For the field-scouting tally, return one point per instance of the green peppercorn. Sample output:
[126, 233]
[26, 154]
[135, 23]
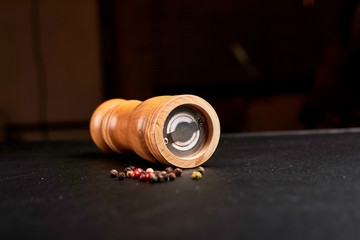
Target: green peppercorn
[121, 175]
[172, 176]
[169, 169]
[113, 173]
[196, 175]
[177, 171]
[200, 170]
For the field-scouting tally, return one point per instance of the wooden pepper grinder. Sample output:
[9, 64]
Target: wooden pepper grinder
[181, 130]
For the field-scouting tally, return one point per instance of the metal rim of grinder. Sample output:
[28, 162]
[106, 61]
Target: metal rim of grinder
[184, 131]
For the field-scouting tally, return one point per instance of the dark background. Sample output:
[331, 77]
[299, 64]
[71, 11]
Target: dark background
[263, 65]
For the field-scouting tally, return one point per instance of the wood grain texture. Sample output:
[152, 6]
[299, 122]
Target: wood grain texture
[96, 123]
[139, 119]
[122, 126]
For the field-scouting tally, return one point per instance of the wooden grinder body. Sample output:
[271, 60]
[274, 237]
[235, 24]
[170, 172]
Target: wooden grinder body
[119, 125]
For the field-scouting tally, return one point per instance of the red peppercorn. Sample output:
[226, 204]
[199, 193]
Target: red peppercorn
[142, 177]
[137, 172]
[148, 175]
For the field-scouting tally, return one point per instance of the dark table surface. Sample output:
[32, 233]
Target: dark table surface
[287, 185]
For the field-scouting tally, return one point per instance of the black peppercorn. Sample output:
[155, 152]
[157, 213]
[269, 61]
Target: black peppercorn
[157, 172]
[169, 169]
[172, 176]
[153, 178]
[161, 178]
[178, 171]
[165, 175]
[113, 173]
[121, 175]
[130, 168]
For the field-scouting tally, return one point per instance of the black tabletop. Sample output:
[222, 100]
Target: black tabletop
[289, 185]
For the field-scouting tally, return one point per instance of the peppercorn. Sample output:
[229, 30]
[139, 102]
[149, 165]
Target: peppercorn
[130, 168]
[137, 172]
[149, 170]
[129, 173]
[196, 175]
[153, 178]
[142, 176]
[161, 178]
[172, 176]
[157, 172]
[178, 171]
[113, 173]
[169, 169]
[165, 175]
[121, 175]
[148, 175]
[200, 170]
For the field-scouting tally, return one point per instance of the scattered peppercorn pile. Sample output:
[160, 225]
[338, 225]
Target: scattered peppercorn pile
[152, 176]
[149, 175]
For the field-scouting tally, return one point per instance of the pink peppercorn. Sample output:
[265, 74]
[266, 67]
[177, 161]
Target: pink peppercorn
[148, 175]
[137, 172]
[142, 177]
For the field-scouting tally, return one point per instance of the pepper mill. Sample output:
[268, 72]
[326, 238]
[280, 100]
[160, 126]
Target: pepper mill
[180, 130]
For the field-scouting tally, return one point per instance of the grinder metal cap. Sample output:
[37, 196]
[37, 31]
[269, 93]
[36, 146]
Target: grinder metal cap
[184, 131]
